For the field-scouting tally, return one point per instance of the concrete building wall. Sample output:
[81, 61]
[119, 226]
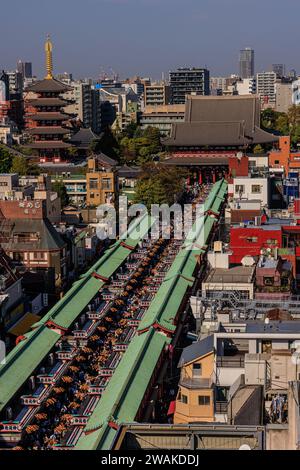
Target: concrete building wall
[252, 188]
[284, 97]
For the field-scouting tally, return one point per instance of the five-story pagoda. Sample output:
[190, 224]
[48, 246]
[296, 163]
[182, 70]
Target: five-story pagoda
[46, 120]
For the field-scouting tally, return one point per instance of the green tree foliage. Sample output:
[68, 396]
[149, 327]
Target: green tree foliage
[139, 146]
[258, 149]
[5, 160]
[59, 187]
[283, 123]
[159, 184]
[19, 165]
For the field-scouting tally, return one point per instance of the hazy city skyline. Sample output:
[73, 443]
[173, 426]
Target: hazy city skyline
[157, 35]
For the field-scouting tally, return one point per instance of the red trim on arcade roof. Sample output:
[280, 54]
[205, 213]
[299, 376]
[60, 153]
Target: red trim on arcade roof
[98, 276]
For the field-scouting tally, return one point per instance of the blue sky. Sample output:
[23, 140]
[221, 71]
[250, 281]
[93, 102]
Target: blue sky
[149, 37]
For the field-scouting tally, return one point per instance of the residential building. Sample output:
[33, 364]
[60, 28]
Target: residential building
[162, 117]
[284, 96]
[247, 86]
[266, 89]
[250, 188]
[101, 181]
[80, 97]
[296, 92]
[11, 293]
[157, 95]
[188, 81]
[246, 63]
[238, 373]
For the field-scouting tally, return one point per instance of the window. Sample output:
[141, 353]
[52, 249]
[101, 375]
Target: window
[197, 370]
[93, 183]
[255, 189]
[252, 239]
[239, 188]
[106, 183]
[184, 399]
[276, 162]
[203, 400]
[272, 241]
[268, 281]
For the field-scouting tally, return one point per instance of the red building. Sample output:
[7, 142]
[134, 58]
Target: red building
[250, 240]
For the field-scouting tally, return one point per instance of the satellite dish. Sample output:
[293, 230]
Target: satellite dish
[245, 447]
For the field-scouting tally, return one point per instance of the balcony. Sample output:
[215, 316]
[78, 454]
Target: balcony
[196, 383]
[231, 362]
[221, 407]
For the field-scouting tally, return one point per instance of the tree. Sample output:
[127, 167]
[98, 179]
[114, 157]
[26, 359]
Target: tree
[19, 165]
[5, 160]
[258, 149]
[159, 184]
[59, 187]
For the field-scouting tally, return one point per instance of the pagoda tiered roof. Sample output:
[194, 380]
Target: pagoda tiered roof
[48, 102]
[48, 130]
[49, 86]
[49, 116]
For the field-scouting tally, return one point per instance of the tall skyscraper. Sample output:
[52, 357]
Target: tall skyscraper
[279, 69]
[184, 81]
[246, 63]
[25, 68]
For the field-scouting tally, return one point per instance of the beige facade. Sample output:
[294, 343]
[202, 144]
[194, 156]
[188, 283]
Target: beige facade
[195, 399]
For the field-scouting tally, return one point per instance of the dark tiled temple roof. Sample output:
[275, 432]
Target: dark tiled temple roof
[195, 160]
[49, 85]
[220, 121]
[105, 160]
[49, 144]
[83, 138]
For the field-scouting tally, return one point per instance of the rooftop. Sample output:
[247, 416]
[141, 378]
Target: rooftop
[292, 326]
[49, 85]
[235, 274]
[197, 350]
[220, 121]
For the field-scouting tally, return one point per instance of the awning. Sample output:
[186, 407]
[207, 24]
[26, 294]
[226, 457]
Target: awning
[172, 408]
[24, 324]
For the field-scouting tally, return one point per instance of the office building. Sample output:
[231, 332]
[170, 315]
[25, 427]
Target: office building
[25, 69]
[246, 63]
[279, 69]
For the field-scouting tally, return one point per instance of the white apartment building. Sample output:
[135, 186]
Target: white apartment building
[251, 189]
[82, 102]
[296, 92]
[266, 89]
[247, 86]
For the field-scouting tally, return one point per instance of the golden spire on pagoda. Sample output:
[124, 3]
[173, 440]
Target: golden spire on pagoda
[49, 62]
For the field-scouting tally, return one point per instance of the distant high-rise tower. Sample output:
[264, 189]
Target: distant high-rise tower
[279, 69]
[25, 68]
[246, 63]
